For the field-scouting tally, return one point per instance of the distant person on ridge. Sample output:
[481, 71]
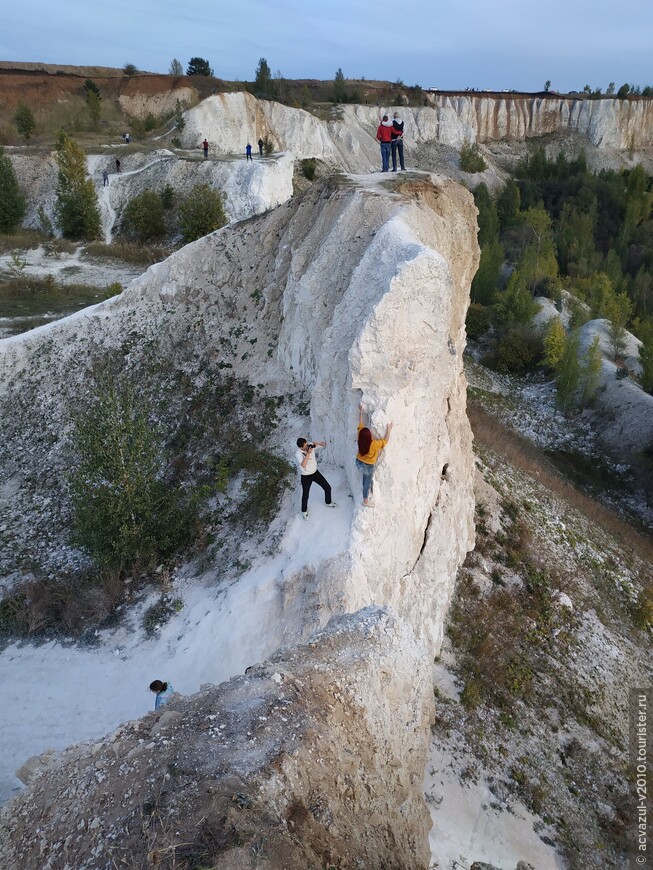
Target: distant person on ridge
[384, 135]
[369, 451]
[309, 474]
[163, 691]
[205, 146]
[397, 142]
[261, 143]
[248, 152]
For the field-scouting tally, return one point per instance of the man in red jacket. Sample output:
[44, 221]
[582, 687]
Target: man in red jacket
[384, 135]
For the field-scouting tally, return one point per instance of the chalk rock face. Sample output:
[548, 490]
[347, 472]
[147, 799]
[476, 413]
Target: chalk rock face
[355, 292]
[606, 123]
[247, 189]
[348, 139]
[313, 758]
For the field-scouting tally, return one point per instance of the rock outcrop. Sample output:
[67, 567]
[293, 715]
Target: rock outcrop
[355, 292]
[347, 140]
[312, 759]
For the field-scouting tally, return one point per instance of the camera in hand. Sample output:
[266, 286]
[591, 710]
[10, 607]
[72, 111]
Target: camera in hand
[310, 446]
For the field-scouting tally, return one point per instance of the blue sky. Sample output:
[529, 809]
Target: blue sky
[451, 44]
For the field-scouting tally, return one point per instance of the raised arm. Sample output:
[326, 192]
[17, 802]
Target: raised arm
[388, 430]
[360, 414]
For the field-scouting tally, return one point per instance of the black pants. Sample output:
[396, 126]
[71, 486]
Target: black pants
[307, 480]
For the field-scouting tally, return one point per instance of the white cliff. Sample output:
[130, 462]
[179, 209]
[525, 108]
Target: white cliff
[353, 293]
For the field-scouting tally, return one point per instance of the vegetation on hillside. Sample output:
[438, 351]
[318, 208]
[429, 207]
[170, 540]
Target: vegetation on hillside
[556, 226]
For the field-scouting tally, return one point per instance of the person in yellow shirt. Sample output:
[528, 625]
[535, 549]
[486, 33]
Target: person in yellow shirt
[369, 450]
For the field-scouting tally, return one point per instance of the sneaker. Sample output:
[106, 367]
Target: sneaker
[305, 515]
[332, 504]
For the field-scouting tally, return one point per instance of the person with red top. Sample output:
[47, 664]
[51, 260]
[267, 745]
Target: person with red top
[369, 451]
[205, 147]
[384, 135]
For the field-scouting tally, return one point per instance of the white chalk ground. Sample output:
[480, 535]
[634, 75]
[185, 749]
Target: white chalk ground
[55, 695]
[469, 826]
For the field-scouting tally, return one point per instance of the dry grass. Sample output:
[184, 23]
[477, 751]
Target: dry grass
[524, 455]
[128, 252]
[21, 240]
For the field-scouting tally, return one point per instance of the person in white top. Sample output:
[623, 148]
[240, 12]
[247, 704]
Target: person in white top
[309, 474]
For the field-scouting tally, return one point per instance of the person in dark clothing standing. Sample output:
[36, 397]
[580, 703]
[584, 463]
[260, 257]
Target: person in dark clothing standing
[397, 142]
[248, 152]
[117, 165]
[261, 143]
[384, 136]
[309, 474]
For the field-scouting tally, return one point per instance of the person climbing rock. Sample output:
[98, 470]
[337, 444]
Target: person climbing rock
[163, 692]
[309, 474]
[369, 451]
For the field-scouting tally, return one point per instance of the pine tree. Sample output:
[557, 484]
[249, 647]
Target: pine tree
[646, 358]
[569, 373]
[12, 202]
[590, 372]
[555, 344]
[77, 206]
[263, 77]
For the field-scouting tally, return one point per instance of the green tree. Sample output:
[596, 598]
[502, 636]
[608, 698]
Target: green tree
[515, 305]
[547, 85]
[305, 98]
[590, 372]
[618, 311]
[201, 212]
[486, 280]
[339, 92]
[646, 357]
[623, 91]
[488, 219]
[143, 217]
[129, 69]
[569, 373]
[197, 66]
[12, 202]
[508, 204]
[555, 343]
[126, 515]
[93, 101]
[175, 68]
[471, 159]
[76, 208]
[263, 79]
[24, 120]
[610, 89]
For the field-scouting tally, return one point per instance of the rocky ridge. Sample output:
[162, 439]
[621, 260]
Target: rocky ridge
[355, 292]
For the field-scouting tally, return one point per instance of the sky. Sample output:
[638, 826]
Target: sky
[453, 44]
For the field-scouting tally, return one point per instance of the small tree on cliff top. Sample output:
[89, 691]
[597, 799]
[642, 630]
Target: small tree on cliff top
[77, 207]
[12, 202]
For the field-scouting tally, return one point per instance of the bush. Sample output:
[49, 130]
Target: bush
[129, 69]
[24, 121]
[268, 146]
[12, 202]
[471, 160]
[143, 217]
[201, 212]
[309, 167]
[167, 195]
[478, 321]
[518, 350]
[126, 515]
